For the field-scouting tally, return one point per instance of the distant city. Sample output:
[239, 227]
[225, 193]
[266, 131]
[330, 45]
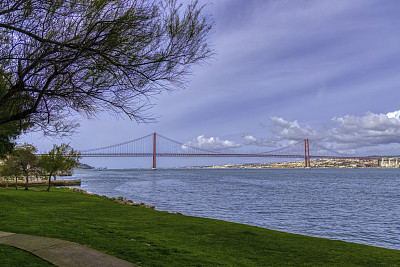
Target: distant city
[318, 163]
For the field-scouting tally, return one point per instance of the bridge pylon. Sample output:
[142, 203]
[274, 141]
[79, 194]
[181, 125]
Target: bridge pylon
[307, 154]
[154, 151]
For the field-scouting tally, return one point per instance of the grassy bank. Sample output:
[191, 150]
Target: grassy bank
[10, 256]
[153, 238]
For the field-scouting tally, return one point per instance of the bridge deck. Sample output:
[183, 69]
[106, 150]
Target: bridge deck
[221, 155]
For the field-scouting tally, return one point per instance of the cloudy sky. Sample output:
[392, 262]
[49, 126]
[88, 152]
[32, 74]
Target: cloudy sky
[284, 71]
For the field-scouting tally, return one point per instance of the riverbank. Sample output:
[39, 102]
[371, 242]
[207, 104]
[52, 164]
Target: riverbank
[36, 183]
[154, 238]
[353, 205]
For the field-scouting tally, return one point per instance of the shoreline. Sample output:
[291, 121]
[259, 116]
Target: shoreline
[206, 198]
[37, 183]
[120, 200]
[155, 238]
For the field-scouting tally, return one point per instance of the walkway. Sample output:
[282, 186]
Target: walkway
[61, 253]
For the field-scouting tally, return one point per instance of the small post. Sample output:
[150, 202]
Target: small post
[154, 151]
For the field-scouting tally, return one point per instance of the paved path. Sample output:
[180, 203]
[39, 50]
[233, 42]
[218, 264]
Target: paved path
[60, 252]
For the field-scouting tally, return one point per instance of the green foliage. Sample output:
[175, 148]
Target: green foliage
[11, 130]
[10, 169]
[8, 134]
[154, 238]
[6, 145]
[22, 162]
[20, 101]
[61, 159]
[24, 158]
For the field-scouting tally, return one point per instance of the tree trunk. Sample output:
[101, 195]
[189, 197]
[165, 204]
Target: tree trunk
[16, 182]
[26, 182]
[48, 188]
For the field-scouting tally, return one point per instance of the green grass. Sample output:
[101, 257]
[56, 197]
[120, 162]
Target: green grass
[154, 238]
[10, 256]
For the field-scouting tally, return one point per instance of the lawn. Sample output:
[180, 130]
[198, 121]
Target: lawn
[155, 238]
[15, 257]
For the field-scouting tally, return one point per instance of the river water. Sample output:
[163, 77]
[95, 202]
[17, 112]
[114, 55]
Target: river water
[355, 205]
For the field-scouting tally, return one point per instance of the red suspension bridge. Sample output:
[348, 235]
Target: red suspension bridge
[155, 145]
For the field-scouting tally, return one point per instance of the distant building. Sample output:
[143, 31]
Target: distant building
[388, 162]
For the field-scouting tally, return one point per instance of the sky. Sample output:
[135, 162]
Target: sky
[283, 71]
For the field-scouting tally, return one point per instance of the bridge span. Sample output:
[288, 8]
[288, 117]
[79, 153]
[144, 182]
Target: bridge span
[155, 145]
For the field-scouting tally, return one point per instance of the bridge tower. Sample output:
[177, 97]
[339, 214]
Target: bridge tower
[307, 154]
[154, 151]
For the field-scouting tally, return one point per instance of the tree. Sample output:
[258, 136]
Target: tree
[8, 134]
[59, 57]
[6, 144]
[22, 161]
[10, 169]
[11, 130]
[60, 159]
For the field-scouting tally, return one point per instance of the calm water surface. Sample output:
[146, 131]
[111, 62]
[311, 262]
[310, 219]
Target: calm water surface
[355, 205]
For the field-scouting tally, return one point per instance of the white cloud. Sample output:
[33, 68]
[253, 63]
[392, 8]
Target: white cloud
[347, 133]
[211, 143]
[262, 142]
[291, 130]
[368, 130]
[394, 114]
[249, 140]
